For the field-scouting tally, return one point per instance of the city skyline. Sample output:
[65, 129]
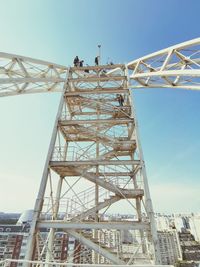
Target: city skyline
[168, 120]
[178, 236]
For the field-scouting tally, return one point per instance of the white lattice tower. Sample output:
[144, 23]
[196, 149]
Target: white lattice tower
[95, 162]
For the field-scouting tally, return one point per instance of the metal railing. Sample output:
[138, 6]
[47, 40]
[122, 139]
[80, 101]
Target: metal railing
[16, 263]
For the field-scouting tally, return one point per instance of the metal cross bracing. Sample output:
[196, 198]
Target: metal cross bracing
[95, 165]
[94, 162]
[175, 67]
[24, 75]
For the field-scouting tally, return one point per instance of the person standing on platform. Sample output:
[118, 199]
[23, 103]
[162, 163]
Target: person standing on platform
[96, 61]
[81, 63]
[76, 61]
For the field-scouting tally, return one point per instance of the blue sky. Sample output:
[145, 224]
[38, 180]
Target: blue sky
[56, 31]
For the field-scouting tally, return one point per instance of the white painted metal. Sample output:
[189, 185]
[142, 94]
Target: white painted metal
[149, 205]
[7, 262]
[24, 75]
[94, 140]
[175, 67]
[84, 150]
[94, 225]
[40, 197]
[96, 248]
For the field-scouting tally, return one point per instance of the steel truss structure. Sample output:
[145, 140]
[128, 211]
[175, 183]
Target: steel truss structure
[95, 165]
[175, 67]
[94, 162]
[24, 75]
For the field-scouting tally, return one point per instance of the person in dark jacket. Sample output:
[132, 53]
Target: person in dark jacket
[96, 61]
[76, 61]
[81, 63]
[120, 99]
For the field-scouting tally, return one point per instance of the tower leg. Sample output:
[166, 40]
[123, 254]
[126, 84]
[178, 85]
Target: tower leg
[40, 198]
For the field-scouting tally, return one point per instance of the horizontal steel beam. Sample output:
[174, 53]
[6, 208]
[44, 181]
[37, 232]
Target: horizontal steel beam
[93, 163]
[98, 68]
[108, 174]
[100, 121]
[97, 91]
[123, 113]
[103, 78]
[112, 174]
[93, 225]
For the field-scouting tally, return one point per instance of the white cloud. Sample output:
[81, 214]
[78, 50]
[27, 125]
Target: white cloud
[18, 193]
[175, 198]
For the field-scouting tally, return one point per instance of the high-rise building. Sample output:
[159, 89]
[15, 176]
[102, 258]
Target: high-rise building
[169, 246]
[189, 246]
[178, 240]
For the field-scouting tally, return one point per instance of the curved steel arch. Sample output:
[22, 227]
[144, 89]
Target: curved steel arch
[23, 75]
[175, 67]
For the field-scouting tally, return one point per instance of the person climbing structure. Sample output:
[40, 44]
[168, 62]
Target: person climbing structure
[120, 99]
